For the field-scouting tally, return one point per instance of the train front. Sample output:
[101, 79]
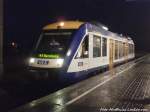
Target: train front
[48, 56]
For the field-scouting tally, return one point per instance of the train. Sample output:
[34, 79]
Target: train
[74, 49]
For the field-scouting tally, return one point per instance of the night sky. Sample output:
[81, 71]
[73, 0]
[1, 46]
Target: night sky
[23, 19]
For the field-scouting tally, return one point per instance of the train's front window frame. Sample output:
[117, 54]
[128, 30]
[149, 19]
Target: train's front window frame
[54, 42]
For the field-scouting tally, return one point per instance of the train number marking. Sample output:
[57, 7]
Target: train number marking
[80, 63]
[42, 62]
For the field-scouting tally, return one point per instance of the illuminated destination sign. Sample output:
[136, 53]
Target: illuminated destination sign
[52, 56]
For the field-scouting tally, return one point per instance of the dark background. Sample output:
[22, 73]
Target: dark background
[24, 19]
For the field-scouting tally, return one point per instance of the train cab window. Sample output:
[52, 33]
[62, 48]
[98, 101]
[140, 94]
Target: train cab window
[54, 42]
[83, 51]
[104, 47]
[96, 46]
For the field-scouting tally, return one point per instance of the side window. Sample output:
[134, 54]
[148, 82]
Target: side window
[120, 49]
[96, 46]
[104, 47]
[116, 49]
[83, 51]
[124, 49]
[130, 48]
[133, 49]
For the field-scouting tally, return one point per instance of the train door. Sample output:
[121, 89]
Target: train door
[111, 54]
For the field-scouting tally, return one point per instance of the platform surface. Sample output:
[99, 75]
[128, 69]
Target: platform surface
[126, 88]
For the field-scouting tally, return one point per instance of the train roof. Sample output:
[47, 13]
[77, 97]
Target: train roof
[64, 25]
[92, 26]
[98, 28]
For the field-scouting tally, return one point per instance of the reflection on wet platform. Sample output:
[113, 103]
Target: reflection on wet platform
[128, 89]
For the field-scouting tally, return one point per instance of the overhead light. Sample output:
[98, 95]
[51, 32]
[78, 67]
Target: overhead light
[121, 35]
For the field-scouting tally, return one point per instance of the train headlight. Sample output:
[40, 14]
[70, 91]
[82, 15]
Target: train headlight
[60, 62]
[32, 60]
[61, 24]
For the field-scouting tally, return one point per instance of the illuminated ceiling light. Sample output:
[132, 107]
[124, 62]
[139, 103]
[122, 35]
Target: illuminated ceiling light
[105, 28]
[98, 40]
[33, 103]
[59, 101]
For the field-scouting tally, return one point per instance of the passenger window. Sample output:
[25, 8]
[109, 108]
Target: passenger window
[83, 51]
[133, 49]
[124, 49]
[96, 46]
[116, 50]
[104, 47]
[120, 49]
[130, 48]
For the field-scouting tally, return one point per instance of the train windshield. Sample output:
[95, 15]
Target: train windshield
[54, 44]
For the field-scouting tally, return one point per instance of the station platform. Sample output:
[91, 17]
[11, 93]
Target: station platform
[124, 88]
